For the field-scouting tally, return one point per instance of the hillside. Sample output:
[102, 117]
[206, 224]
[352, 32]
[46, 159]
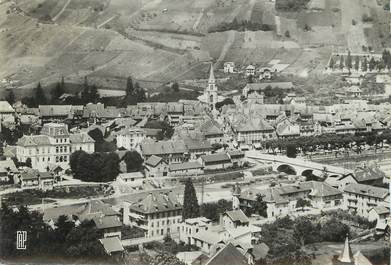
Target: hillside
[158, 41]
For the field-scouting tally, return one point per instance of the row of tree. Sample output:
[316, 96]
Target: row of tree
[240, 26]
[354, 62]
[66, 240]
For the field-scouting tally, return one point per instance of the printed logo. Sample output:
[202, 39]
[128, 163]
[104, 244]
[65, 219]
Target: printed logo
[21, 238]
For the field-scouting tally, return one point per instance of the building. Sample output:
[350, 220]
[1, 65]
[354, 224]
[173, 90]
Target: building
[250, 70]
[380, 214]
[237, 158]
[33, 179]
[130, 138]
[7, 171]
[281, 201]
[229, 67]
[234, 219]
[7, 113]
[108, 226]
[53, 146]
[191, 226]
[158, 213]
[253, 130]
[112, 246]
[229, 254]
[198, 147]
[170, 151]
[193, 168]
[265, 73]
[360, 198]
[210, 96]
[215, 161]
[155, 166]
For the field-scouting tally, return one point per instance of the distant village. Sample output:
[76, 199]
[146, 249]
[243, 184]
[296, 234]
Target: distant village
[219, 176]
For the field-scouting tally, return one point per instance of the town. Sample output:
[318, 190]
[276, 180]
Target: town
[212, 177]
[205, 132]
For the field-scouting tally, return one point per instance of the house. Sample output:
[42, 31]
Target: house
[369, 175]
[7, 113]
[33, 179]
[353, 92]
[112, 246]
[53, 145]
[281, 201]
[265, 73]
[215, 161]
[229, 67]
[360, 198]
[156, 166]
[287, 129]
[234, 219]
[57, 113]
[170, 151]
[7, 171]
[193, 168]
[237, 158]
[229, 254]
[108, 226]
[212, 132]
[130, 138]
[135, 179]
[250, 70]
[158, 213]
[340, 182]
[191, 226]
[197, 147]
[253, 130]
[380, 214]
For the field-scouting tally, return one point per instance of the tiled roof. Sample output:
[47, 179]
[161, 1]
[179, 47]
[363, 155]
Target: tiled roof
[367, 190]
[163, 148]
[155, 202]
[153, 160]
[7, 165]
[368, 173]
[228, 255]
[103, 222]
[184, 166]
[81, 138]
[31, 140]
[253, 124]
[29, 174]
[217, 157]
[237, 216]
[197, 144]
[5, 107]
[55, 110]
[381, 210]
[111, 244]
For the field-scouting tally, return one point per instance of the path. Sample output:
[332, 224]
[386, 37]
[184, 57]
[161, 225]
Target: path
[226, 47]
[197, 22]
[107, 21]
[61, 11]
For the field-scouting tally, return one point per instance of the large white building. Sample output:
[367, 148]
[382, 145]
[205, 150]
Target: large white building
[130, 138]
[360, 198]
[53, 146]
[157, 213]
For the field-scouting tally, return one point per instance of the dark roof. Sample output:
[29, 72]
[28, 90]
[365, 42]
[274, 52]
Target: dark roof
[228, 255]
[153, 161]
[29, 174]
[163, 148]
[260, 251]
[368, 173]
[235, 153]
[237, 216]
[215, 157]
[197, 144]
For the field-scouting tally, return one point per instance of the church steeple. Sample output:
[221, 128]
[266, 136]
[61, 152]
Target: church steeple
[212, 79]
[346, 256]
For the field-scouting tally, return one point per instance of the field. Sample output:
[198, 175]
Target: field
[159, 41]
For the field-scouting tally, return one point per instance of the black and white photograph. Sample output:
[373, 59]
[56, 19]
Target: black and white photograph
[195, 132]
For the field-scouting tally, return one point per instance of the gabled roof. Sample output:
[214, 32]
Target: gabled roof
[217, 157]
[367, 190]
[237, 216]
[185, 166]
[253, 124]
[380, 210]
[5, 107]
[153, 161]
[32, 140]
[163, 148]
[228, 255]
[111, 244]
[31, 174]
[104, 222]
[368, 173]
[81, 138]
[7, 166]
[155, 202]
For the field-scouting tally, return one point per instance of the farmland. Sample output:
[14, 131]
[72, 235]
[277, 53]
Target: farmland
[159, 41]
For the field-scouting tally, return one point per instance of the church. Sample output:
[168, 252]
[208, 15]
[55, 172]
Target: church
[210, 96]
[347, 258]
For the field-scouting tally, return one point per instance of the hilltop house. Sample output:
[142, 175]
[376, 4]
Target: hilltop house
[229, 67]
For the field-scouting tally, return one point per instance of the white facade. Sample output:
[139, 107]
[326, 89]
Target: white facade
[130, 138]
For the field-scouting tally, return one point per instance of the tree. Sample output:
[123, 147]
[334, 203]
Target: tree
[291, 150]
[287, 34]
[175, 87]
[85, 93]
[260, 206]
[356, 63]
[139, 93]
[58, 90]
[28, 162]
[364, 65]
[213, 210]
[191, 209]
[10, 97]
[133, 161]
[331, 63]
[341, 62]
[301, 203]
[305, 231]
[94, 95]
[349, 61]
[129, 86]
[334, 231]
[372, 64]
[40, 97]
[226, 101]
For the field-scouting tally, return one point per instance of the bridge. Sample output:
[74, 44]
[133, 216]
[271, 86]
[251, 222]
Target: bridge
[296, 166]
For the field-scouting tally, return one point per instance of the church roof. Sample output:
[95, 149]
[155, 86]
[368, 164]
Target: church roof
[211, 75]
[346, 256]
